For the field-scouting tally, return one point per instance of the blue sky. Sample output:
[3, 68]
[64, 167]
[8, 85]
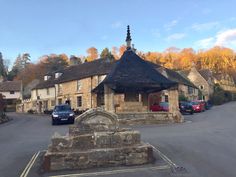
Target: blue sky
[42, 27]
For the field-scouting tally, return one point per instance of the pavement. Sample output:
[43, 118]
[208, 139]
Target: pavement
[204, 145]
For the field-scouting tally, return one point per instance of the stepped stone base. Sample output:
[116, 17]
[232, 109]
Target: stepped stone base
[103, 157]
[96, 141]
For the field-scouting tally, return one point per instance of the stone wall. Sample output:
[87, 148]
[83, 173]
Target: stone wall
[139, 118]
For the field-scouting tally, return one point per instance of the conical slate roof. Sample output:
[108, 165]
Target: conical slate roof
[132, 74]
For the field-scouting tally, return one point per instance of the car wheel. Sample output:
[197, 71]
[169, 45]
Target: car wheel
[72, 121]
[54, 122]
[191, 112]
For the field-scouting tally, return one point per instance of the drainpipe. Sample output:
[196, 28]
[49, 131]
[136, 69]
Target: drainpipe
[55, 94]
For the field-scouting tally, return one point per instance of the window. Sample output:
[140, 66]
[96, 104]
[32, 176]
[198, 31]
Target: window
[52, 102]
[166, 98]
[190, 90]
[48, 91]
[201, 87]
[79, 101]
[12, 92]
[79, 85]
[59, 89]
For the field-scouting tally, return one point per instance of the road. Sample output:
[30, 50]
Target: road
[205, 145]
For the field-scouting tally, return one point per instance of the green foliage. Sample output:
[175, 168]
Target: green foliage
[3, 71]
[220, 96]
[107, 54]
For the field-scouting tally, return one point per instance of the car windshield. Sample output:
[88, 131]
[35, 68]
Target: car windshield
[195, 103]
[62, 108]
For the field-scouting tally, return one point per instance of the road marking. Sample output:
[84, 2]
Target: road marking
[164, 157]
[29, 165]
[163, 167]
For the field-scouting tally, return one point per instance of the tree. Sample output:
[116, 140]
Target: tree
[53, 63]
[92, 54]
[107, 54]
[25, 59]
[122, 49]
[74, 60]
[3, 72]
[114, 52]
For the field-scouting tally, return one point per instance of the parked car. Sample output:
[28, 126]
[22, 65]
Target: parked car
[155, 107]
[186, 107]
[162, 106]
[63, 114]
[203, 104]
[208, 105]
[197, 106]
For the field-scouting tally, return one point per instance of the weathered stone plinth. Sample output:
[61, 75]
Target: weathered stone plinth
[96, 141]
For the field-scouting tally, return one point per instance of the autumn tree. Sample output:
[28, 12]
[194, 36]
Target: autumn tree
[92, 54]
[53, 62]
[122, 50]
[187, 57]
[114, 52]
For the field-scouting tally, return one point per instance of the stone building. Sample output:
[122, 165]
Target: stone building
[185, 87]
[131, 82]
[11, 91]
[225, 81]
[72, 85]
[202, 79]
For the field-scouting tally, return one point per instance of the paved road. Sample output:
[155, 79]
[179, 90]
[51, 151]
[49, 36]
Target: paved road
[205, 144]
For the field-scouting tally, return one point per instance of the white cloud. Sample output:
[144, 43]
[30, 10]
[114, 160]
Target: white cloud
[205, 26]
[175, 36]
[117, 24]
[205, 43]
[226, 38]
[171, 24]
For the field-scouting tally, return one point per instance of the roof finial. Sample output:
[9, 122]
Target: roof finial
[128, 39]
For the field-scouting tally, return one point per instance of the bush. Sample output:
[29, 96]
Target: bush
[31, 111]
[220, 96]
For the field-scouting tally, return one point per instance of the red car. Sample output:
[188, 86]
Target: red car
[198, 106]
[155, 108]
[162, 106]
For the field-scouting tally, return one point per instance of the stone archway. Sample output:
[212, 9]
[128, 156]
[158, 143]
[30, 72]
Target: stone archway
[97, 119]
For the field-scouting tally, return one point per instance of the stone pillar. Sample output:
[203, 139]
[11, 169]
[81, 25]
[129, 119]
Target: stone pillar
[109, 99]
[145, 100]
[94, 100]
[174, 105]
